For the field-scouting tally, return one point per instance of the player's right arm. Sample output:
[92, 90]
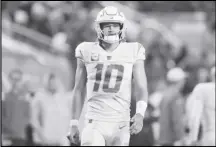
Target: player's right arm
[77, 96]
[79, 89]
[80, 82]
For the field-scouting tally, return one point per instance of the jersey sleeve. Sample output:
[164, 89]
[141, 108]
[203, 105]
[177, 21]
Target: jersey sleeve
[79, 51]
[140, 55]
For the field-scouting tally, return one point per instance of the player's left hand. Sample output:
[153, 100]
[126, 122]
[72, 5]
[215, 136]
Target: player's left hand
[137, 124]
[73, 134]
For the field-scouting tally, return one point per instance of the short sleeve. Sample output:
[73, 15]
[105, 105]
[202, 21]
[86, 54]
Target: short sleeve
[140, 52]
[79, 51]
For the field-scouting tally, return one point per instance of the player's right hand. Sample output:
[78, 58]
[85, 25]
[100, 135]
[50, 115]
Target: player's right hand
[73, 134]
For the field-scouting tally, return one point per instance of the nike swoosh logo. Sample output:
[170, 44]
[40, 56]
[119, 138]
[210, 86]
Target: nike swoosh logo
[120, 127]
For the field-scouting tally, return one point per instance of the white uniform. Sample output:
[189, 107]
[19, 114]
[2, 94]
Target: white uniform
[201, 109]
[109, 77]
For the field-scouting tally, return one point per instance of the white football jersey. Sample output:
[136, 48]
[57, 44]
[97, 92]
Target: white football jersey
[109, 77]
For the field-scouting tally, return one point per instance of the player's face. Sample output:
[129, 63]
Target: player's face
[111, 28]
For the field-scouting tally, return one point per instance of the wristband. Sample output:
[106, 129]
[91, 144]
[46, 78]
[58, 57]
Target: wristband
[141, 107]
[74, 122]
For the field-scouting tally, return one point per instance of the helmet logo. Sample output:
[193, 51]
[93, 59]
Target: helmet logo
[108, 15]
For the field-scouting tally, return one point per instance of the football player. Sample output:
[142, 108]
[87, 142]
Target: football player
[107, 68]
[201, 109]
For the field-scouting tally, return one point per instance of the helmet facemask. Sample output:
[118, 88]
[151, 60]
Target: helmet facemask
[110, 15]
[110, 38]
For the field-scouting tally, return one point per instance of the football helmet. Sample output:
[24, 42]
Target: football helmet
[106, 15]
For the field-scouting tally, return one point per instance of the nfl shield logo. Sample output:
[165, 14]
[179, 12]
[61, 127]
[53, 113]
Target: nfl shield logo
[94, 57]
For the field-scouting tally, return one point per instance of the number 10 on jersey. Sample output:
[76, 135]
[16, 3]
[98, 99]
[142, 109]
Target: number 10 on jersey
[108, 74]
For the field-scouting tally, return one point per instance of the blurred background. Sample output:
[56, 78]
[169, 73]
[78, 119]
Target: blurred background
[38, 46]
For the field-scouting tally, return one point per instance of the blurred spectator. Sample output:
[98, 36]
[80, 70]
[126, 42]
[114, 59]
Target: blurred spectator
[39, 11]
[56, 20]
[59, 42]
[172, 113]
[202, 75]
[156, 62]
[40, 21]
[15, 77]
[201, 110]
[15, 115]
[21, 17]
[26, 7]
[51, 113]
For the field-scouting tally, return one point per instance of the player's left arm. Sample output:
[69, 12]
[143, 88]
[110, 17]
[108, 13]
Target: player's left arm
[140, 86]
